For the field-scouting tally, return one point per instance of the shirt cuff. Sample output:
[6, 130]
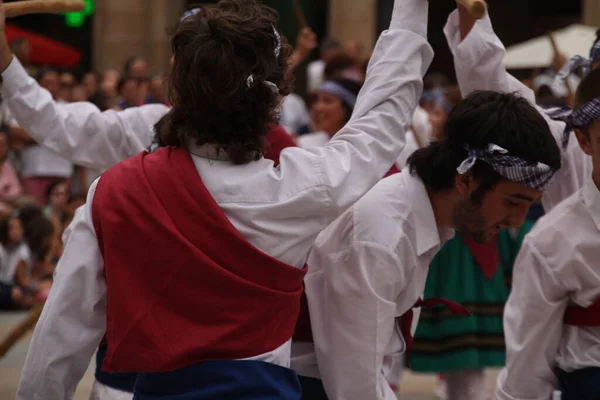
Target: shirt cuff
[478, 42]
[410, 15]
[14, 78]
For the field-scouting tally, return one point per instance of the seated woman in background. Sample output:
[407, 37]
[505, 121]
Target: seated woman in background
[57, 198]
[44, 247]
[16, 262]
[10, 186]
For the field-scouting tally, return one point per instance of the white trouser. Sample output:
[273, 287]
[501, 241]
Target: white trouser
[103, 392]
[467, 384]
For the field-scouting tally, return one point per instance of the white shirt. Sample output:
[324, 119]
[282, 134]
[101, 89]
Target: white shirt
[558, 265]
[279, 210]
[422, 130]
[367, 268]
[78, 132]
[315, 72]
[294, 114]
[11, 259]
[479, 66]
[313, 139]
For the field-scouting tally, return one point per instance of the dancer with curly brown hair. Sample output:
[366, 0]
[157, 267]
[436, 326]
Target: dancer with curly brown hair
[191, 259]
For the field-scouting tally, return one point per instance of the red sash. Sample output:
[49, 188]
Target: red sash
[183, 284]
[582, 317]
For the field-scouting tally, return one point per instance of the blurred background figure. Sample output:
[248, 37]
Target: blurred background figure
[316, 69]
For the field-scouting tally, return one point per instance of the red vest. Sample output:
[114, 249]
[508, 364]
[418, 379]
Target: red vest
[183, 284]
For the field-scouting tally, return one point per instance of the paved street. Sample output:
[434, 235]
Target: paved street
[415, 387]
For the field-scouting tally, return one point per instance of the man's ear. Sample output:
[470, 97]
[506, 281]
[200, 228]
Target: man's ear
[584, 141]
[464, 184]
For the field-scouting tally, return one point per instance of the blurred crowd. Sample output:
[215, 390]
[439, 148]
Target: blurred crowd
[39, 190]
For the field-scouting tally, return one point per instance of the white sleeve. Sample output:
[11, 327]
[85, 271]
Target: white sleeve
[78, 132]
[73, 320]
[533, 325]
[362, 152]
[478, 60]
[351, 298]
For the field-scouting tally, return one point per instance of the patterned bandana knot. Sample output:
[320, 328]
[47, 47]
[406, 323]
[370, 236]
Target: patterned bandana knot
[533, 175]
[583, 116]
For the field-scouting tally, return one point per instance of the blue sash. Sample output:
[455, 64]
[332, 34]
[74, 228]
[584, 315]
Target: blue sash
[226, 379]
[312, 389]
[582, 384]
[123, 381]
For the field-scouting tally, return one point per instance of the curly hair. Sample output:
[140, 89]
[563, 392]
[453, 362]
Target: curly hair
[215, 51]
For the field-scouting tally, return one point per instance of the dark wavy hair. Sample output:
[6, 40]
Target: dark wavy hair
[215, 51]
[485, 117]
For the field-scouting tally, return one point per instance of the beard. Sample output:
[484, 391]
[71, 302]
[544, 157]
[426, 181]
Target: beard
[469, 220]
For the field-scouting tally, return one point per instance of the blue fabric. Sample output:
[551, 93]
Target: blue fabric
[210, 380]
[312, 389]
[583, 384]
[121, 380]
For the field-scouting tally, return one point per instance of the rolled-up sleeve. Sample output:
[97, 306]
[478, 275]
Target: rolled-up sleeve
[78, 132]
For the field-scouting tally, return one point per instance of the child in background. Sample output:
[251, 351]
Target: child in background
[17, 261]
[41, 236]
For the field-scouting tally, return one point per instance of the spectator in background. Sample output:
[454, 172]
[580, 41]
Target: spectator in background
[355, 50]
[79, 93]
[128, 92]
[157, 93]
[342, 65]
[40, 166]
[10, 187]
[330, 108]
[57, 197]
[136, 67]
[17, 262]
[42, 235]
[21, 48]
[91, 81]
[316, 68]
[65, 87]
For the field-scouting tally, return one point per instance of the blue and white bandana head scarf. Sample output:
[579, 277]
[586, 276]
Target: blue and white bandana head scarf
[346, 96]
[250, 79]
[532, 175]
[580, 61]
[583, 116]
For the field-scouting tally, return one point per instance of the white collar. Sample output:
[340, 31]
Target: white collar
[428, 235]
[208, 151]
[591, 199]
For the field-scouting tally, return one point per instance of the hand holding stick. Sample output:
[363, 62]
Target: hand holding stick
[559, 61]
[42, 7]
[477, 8]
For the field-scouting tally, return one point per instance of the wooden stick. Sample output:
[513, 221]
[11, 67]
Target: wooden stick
[477, 8]
[299, 14]
[42, 7]
[20, 330]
